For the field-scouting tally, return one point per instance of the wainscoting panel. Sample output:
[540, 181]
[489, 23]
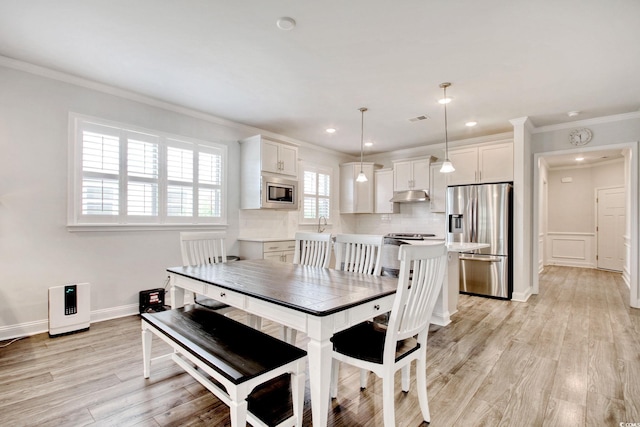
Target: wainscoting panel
[571, 249]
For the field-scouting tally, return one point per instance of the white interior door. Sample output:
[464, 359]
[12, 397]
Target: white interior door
[611, 228]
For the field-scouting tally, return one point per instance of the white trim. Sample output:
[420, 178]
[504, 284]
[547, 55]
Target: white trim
[145, 227]
[42, 326]
[588, 122]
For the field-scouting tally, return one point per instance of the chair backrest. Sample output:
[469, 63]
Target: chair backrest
[359, 253]
[313, 249]
[202, 247]
[422, 271]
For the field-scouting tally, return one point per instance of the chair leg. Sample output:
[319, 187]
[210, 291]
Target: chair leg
[297, 393]
[364, 375]
[147, 335]
[406, 378]
[254, 321]
[335, 373]
[421, 384]
[388, 401]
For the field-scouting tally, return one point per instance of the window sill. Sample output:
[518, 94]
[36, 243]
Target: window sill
[75, 228]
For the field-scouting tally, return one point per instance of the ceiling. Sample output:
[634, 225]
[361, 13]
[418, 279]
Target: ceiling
[505, 60]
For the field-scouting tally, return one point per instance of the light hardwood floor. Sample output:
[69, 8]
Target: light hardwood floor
[570, 356]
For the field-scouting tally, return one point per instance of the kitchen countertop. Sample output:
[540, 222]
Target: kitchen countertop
[451, 247]
[265, 239]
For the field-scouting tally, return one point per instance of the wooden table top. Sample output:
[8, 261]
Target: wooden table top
[312, 290]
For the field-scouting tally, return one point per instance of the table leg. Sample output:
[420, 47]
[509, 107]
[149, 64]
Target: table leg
[177, 295]
[319, 353]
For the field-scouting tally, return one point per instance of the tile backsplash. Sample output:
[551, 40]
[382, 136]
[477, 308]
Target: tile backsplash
[413, 218]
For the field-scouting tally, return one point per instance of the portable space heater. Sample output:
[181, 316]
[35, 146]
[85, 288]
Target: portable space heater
[69, 309]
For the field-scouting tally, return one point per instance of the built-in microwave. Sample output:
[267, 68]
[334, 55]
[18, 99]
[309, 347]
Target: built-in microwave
[279, 193]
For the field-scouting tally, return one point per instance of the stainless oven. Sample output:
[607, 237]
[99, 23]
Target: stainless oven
[279, 193]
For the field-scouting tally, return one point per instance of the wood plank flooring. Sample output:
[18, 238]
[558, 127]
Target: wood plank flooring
[570, 356]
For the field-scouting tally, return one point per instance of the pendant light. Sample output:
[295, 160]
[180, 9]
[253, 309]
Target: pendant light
[447, 166]
[361, 176]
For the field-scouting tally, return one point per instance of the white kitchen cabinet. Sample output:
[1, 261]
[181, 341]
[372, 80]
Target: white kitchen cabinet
[482, 164]
[270, 156]
[437, 188]
[411, 174]
[356, 197]
[384, 192]
[275, 250]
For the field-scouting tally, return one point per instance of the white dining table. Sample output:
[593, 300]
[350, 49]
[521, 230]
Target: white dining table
[316, 301]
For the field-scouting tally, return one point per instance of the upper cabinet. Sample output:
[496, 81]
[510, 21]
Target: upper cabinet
[482, 164]
[411, 174]
[356, 197]
[384, 192]
[437, 189]
[271, 156]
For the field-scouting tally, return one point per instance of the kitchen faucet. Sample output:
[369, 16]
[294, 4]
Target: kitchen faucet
[321, 226]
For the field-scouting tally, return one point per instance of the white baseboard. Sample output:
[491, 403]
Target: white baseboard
[521, 296]
[42, 326]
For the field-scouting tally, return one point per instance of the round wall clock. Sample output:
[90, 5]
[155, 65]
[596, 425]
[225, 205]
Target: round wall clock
[580, 136]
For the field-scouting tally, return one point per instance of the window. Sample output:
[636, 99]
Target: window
[316, 193]
[127, 176]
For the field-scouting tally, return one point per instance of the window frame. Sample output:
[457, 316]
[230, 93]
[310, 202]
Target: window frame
[327, 170]
[77, 221]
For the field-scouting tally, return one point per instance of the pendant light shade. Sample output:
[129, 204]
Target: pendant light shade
[447, 166]
[361, 176]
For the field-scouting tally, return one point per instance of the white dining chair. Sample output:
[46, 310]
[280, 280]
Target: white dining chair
[359, 253]
[386, 350]
[313, 249]
[201, 248]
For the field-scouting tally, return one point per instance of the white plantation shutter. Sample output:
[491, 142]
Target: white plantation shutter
[143, 174]
[316, 201]
[131, 176]
[100, 171]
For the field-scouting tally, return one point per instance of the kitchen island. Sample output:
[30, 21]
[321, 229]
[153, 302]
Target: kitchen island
[447, 303]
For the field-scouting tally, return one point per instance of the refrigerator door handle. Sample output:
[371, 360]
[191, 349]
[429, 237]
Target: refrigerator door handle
[484, 259]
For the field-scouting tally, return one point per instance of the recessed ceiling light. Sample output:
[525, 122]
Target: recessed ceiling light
[331, 130]
[573, 113]
[471, 124]
[368, 144]
[285, 23]
[579, 159]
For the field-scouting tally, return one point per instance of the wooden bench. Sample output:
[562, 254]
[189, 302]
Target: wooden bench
[238, 364]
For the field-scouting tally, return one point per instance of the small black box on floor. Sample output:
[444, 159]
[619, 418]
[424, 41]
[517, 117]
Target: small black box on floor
[152, 300]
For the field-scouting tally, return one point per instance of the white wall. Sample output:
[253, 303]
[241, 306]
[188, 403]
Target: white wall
[36, 249]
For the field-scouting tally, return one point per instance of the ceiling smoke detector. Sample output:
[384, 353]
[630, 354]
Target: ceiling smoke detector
[285, 23]
[419, 118]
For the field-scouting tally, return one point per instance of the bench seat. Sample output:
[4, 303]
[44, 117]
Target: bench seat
[236, 358]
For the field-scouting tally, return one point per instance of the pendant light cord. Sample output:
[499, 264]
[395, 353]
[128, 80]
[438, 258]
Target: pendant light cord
[362, 110]
[446, 134]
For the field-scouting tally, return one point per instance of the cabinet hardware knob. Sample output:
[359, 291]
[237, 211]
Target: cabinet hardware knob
[222, 295]
[376, 307]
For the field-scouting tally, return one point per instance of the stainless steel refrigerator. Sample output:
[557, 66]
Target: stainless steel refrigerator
[483, 213]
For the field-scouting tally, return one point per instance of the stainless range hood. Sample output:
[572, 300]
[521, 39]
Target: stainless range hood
[410, 196]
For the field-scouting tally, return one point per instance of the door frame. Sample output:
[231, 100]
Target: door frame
[631, 184]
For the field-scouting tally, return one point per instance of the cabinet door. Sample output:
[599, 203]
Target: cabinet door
[270, 159]
[465, 160]
[402, 176]
[288, 257]
[384, 192]
[364, 190]
[495, 163]
[273, 256]
[420, 169]
[288, 157]
[438, 189]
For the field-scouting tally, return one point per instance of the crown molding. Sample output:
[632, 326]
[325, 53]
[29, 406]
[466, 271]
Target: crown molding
[588, 122]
